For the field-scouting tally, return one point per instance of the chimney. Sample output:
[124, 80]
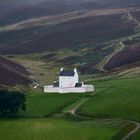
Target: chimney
[75, 70]
[61, 69]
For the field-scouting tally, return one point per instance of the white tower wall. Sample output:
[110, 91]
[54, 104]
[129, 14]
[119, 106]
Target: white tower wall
[69, 81]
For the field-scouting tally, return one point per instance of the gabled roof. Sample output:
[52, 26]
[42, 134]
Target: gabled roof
[67, 73]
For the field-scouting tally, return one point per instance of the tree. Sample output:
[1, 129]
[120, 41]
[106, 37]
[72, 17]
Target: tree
[11, 102]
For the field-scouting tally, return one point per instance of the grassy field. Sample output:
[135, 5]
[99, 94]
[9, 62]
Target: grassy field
[119, 100]
[43, 105]
[36, 125]
[51, 129]
[115, 100]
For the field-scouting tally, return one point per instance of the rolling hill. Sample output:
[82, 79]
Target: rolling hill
[12, 74]
[94, 36]
[86, 31]
[18, 10]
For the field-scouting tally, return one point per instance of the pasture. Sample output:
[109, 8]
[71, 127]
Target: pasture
[115, 101]
[120, 99]
[52, 129]
[43, 105]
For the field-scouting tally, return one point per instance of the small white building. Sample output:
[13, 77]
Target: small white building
[68, 83]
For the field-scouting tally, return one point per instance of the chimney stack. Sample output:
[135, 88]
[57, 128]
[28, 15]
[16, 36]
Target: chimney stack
[61, 69]
[75, 70]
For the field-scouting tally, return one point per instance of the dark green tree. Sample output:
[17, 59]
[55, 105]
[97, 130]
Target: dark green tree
[11, 102]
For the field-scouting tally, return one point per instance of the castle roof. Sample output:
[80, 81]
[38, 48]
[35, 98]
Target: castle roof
[67, 73]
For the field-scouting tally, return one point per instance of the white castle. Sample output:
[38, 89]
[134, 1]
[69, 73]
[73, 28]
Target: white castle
[68, 83]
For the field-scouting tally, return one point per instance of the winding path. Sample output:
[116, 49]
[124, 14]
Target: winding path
[74, 108]
[121, 46]
[137, 124]
[84, 100]
[133, 131]
[131, 18]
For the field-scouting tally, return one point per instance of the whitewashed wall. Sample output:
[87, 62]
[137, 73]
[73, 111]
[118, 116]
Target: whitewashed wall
[68, 81]
[85, 88]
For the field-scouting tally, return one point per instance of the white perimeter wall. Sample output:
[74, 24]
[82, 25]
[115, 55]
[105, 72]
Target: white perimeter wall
[85, 88]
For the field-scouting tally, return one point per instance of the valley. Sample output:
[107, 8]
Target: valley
[101, 48]
[101, 38]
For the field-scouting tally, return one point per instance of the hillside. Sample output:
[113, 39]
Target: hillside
[94, 36]
[18, 10]
[12, 74]
[86, 32]
[88, 40]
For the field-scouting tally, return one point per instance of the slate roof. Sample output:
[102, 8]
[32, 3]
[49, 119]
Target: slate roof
[67, 73]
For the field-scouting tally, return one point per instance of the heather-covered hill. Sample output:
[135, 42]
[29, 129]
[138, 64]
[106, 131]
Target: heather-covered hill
[88, 34]
[128, 56]
[83, 40]
[12, 74]
[76, 33]
[17, 10]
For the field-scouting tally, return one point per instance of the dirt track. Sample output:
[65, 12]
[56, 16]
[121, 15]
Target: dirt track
[129, 53]
[84, 100]
[133, 131]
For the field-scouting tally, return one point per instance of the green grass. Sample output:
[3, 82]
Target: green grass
[37, 126]
[119, 100]
[51, 129]
[42, 105]
[116, 98]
